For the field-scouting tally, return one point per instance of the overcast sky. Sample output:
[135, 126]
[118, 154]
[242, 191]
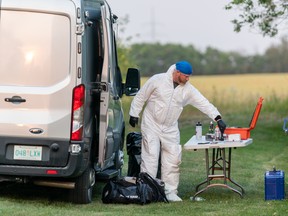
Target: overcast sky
[201, 23]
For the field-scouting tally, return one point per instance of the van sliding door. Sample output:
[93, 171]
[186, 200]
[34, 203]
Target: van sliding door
[105, 112]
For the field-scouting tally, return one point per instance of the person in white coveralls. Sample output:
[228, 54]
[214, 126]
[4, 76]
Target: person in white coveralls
[164, 96]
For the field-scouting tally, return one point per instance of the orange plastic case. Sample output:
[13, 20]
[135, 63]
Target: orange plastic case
[245, 132]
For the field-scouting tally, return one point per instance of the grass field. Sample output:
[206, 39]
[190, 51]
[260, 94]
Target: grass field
[242, 87]
[236, 97]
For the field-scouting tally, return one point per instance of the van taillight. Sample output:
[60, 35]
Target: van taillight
[51, 172]
[77, 112]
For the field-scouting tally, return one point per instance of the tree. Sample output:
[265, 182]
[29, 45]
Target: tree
[275, 58]
[152, 58]
[123, 50]
[263, 15]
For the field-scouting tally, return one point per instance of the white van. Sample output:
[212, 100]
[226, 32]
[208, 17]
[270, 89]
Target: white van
[61, 119]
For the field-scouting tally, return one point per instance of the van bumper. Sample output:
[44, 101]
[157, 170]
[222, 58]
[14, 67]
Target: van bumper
[75, 166]
[60, 158]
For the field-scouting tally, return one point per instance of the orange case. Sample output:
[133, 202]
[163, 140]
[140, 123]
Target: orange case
[245, 132]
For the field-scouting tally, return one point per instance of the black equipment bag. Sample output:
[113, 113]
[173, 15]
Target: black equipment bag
[157, 186]
[145, 189]
[133, 144]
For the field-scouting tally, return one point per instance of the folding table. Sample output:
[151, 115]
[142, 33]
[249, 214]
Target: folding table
[219, 162]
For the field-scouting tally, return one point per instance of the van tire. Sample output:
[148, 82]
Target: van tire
[83, 191]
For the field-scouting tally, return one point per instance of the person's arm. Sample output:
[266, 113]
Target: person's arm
[196, 99]
[139, 100]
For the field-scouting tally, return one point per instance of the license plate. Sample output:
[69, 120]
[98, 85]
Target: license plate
[33, 153]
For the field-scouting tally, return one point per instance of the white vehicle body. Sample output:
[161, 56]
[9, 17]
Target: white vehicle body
[61, 120]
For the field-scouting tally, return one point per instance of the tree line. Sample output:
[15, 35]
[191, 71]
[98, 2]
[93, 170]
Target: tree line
[152, 58]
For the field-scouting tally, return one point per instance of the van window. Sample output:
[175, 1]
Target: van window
[35, 48]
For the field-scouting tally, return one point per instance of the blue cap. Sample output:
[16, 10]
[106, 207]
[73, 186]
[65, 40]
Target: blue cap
[184, 67]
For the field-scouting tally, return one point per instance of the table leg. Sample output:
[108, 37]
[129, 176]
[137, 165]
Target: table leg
[225, 168]
[213, 161]
[207, 180]
[229, 172]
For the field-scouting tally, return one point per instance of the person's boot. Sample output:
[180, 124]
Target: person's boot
[172, 197]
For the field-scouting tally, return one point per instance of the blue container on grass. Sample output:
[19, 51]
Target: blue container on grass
[274, 185]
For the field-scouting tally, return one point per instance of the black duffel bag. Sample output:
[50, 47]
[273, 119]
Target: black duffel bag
[141, 190]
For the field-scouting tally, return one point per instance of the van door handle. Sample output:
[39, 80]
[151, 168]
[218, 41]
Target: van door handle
[15, 99]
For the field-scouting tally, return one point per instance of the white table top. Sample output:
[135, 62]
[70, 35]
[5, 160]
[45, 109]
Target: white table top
[194, 144]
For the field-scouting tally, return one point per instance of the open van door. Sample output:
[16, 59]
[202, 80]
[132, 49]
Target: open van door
[105, 100]
[111, 119]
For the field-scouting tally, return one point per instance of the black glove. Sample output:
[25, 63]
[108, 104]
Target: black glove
[222, 126]
[133, 121]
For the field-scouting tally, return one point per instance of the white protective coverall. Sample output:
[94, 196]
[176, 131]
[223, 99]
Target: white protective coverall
[159, 124]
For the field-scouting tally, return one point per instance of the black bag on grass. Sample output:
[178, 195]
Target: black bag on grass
[157, 186]
[141, 190]
[121, 191]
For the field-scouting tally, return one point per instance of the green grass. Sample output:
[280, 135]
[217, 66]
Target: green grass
[269, 148]
[249, 165]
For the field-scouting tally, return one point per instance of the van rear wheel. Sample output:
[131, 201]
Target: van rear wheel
[83, 191]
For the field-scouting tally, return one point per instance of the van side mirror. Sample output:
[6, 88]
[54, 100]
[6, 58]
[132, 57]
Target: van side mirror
[132, 85]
